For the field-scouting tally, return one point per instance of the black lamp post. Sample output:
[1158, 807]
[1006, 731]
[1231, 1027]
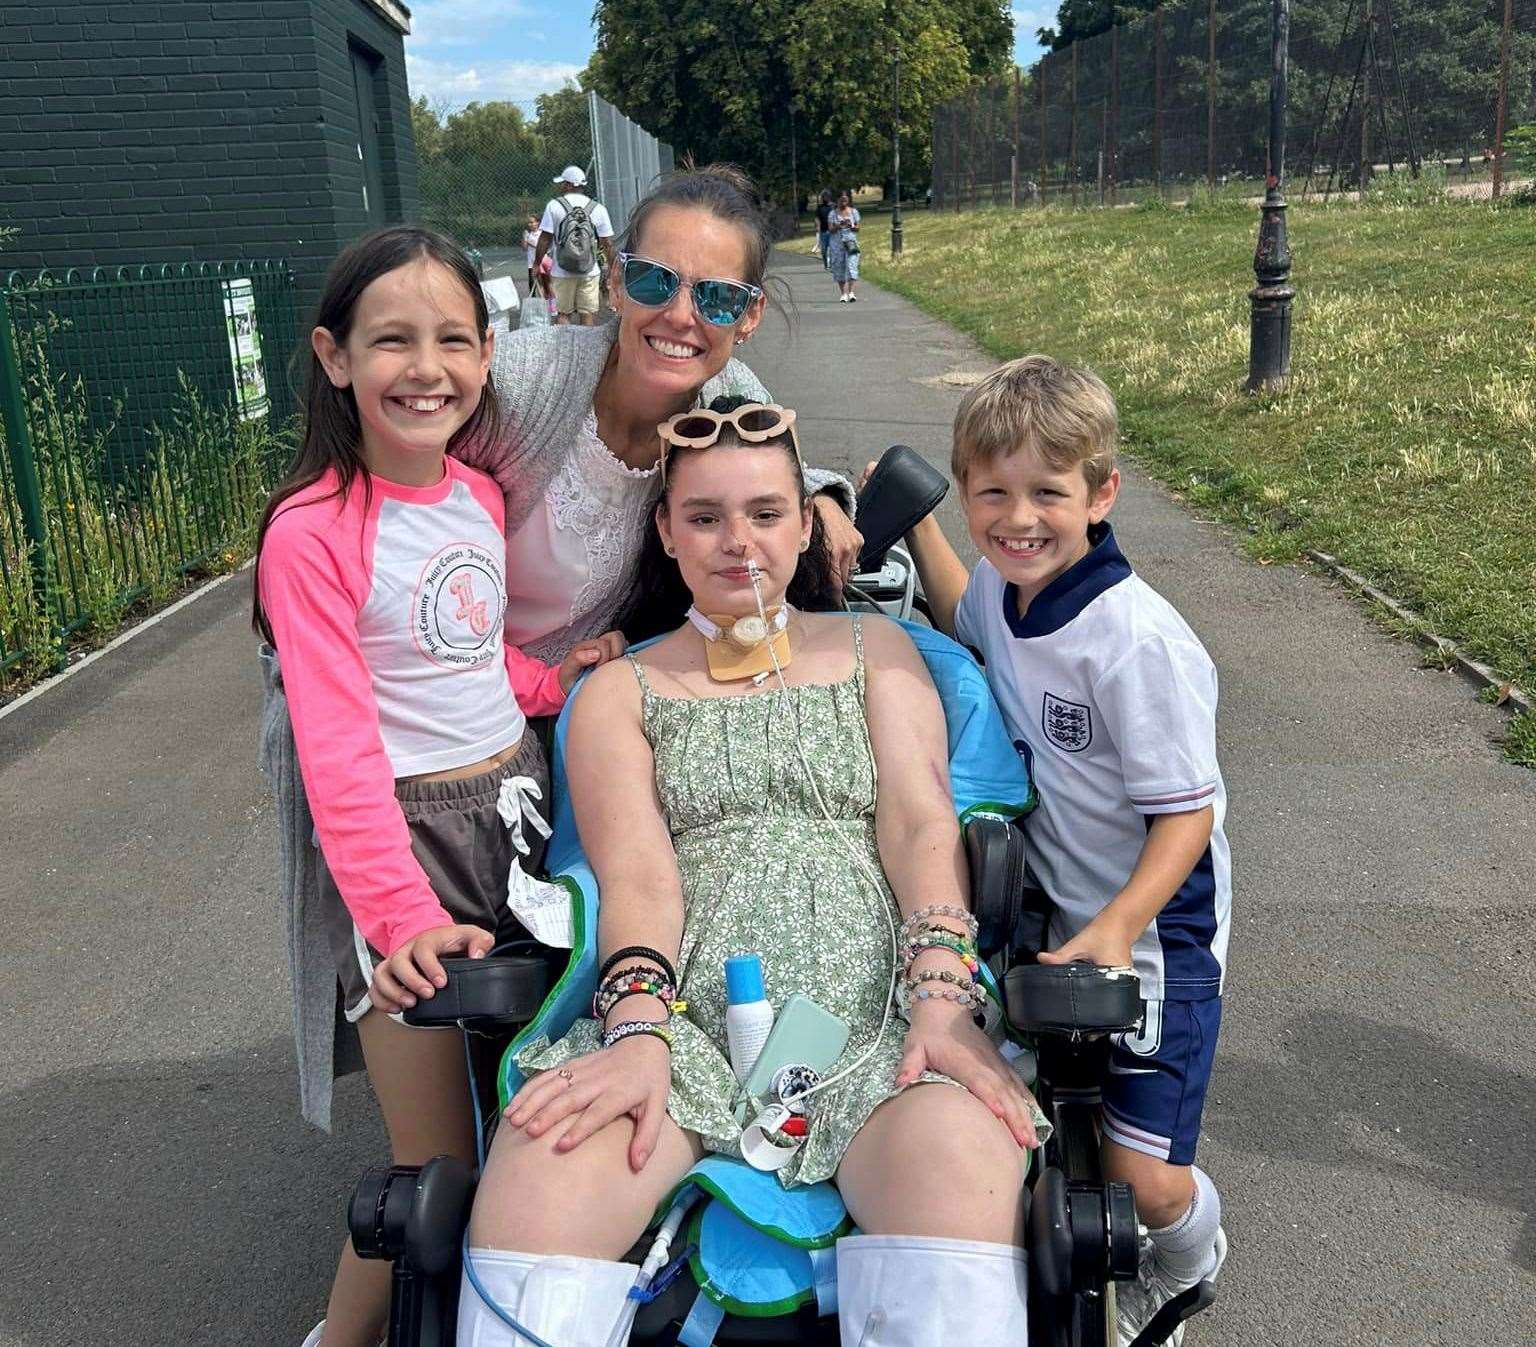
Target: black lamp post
[1269, 342]
[896, 163]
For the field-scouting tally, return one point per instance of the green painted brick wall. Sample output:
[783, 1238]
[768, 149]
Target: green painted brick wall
[180, 131]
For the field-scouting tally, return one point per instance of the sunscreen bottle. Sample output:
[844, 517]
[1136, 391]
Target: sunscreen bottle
[748, 1016]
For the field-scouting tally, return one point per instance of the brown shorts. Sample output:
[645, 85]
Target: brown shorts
[466, 850]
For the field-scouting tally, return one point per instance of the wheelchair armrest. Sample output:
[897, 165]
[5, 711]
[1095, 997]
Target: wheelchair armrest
[1076, 999]
[498, 992]
[1011, 915]
[901, 492]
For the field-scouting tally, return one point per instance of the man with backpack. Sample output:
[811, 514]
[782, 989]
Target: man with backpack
[576, 229]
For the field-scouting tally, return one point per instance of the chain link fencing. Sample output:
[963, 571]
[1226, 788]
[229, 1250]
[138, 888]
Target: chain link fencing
[488, 167]
[143, 420]
[1177, 102]
[630, 161]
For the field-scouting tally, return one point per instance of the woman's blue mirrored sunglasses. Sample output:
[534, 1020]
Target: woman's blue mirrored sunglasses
[652, 285]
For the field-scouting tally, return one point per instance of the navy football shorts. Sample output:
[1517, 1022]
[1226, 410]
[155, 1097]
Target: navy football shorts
[1154, 1092]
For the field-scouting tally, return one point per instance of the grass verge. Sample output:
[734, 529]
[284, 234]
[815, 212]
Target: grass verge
[1405, 444]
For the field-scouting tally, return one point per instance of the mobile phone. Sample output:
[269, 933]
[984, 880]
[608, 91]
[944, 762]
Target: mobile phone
[803, 1034]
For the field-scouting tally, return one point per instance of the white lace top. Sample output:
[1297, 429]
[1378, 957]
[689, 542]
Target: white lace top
[575, 556]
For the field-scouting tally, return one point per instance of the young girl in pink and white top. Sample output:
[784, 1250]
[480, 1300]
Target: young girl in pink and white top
[381, 581]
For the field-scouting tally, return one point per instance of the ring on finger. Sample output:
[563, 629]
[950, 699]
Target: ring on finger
[565, 1075]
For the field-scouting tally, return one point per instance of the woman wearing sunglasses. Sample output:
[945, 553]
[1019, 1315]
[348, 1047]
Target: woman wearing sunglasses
[580, 464]
[724, 781]
[579, 472]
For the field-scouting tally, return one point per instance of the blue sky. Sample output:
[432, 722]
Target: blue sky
[462, 51]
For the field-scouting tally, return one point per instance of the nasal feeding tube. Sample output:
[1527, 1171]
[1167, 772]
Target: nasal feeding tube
[770, 1115]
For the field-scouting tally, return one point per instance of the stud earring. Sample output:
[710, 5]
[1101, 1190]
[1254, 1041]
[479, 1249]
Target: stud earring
[668, 551]
[805, 544]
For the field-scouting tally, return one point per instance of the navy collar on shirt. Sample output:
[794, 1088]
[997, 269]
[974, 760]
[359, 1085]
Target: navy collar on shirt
[1071, 591]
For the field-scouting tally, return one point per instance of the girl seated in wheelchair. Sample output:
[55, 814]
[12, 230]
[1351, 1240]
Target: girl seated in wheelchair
[724, 781]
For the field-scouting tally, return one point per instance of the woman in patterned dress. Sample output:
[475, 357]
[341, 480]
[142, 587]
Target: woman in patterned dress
[723, 817]
[843, 248]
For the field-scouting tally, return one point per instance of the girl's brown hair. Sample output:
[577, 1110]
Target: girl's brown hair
[332, 432]
[661, 599]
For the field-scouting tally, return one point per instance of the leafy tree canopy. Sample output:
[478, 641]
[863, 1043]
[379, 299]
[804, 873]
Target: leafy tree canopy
[741, 79]
[1077, 19]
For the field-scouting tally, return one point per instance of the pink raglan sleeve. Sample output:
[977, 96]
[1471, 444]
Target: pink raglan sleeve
[313, 584]
[536, 685]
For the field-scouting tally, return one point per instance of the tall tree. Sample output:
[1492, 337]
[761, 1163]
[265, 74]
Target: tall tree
[739, 79]
[1079, 19]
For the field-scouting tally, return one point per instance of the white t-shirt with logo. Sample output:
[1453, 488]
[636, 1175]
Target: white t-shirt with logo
[555, 212]
[1111, 699]
[387, 606]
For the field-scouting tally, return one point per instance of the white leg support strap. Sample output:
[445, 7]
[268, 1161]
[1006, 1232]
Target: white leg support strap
[916, 1291]
[568, 1302]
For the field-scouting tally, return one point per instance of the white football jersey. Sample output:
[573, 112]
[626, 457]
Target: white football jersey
[1111, 699]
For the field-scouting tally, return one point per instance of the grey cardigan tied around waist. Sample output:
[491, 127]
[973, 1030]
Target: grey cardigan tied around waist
[546, 378]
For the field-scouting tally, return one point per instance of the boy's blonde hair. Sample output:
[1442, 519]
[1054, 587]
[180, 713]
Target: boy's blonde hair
[1065, 414]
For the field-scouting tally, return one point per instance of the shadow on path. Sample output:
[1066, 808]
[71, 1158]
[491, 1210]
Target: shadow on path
[1389, 1100]
[204, 1212]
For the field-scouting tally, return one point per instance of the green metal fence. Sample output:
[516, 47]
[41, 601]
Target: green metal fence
[143, 413]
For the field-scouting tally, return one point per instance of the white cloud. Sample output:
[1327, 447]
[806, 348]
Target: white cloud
[1027, 18]
[490, 81]
[464, 23]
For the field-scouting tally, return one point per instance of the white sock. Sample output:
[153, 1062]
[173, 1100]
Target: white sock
[1186, 1250]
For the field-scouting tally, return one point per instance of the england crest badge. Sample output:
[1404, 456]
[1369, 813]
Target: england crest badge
[1068, 725]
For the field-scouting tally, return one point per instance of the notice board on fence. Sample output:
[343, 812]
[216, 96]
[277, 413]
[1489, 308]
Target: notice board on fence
[245, 350]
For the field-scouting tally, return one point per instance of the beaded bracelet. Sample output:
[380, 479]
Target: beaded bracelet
[969, 993]
[638, 952]
[636, 981]
[939, 935]
[638, 972]
[972, 1000]
[633, 1028]
[673, 1007]
[914, 919]
[965, 953]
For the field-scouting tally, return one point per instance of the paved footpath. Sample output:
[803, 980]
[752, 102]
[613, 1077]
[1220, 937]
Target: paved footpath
[1373, 1118]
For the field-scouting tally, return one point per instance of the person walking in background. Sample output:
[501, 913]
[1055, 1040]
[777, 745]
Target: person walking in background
[578, 232]
[530, 250]
[823, 234]
[843, 248]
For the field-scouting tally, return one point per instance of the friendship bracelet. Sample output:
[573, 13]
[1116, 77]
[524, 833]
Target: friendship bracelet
[673, 1007]
[917, 948]
[970, 993]
[631, 980]
[638, 972]
[940, 975]
[634, 1028]
[941, 910]
[638, 952]
[972, 1000]
[938, 937]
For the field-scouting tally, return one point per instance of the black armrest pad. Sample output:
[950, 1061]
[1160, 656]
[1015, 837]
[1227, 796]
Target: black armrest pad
[1073, 998]
[497, 991]
[902, 491]
[994, 850]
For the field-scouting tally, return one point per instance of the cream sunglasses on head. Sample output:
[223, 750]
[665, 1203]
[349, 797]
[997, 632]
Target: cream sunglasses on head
[753, 422]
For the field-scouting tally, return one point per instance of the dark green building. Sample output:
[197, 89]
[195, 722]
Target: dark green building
[193, 132]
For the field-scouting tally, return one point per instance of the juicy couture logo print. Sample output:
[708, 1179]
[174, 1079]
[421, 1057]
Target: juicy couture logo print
[457, 608]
